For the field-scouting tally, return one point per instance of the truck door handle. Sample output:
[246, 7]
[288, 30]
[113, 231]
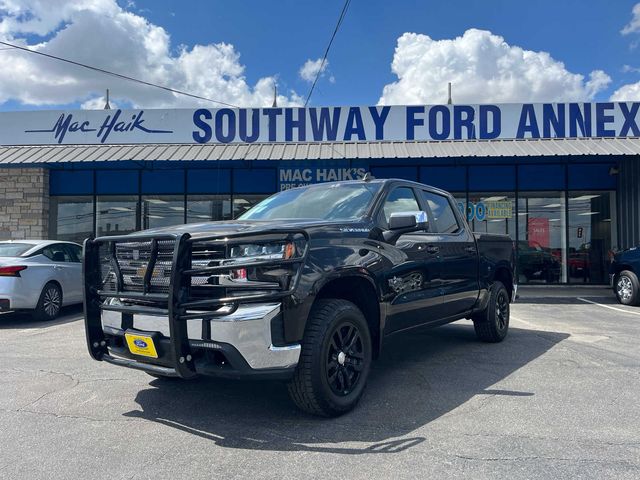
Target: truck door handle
[470, 249]
[432, 249]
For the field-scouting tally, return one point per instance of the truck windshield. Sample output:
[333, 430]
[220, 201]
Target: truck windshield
[338, 201]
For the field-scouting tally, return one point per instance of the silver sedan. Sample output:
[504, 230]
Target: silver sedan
[40, 275]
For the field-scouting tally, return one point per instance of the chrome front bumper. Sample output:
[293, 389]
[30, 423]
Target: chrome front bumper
[248, 329]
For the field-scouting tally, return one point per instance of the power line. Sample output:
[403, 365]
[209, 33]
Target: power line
[117, 75]
[326, 52]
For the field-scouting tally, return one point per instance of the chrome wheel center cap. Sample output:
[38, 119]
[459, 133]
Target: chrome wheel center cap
[341, 358]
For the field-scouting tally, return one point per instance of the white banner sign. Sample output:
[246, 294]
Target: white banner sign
[321, 124]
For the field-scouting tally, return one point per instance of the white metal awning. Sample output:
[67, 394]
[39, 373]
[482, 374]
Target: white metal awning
[44, 154]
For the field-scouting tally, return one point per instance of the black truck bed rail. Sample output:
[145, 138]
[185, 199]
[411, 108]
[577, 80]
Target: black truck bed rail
[156, 275]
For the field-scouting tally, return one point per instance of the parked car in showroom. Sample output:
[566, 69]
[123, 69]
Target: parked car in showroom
[623, 276]
[40, 276]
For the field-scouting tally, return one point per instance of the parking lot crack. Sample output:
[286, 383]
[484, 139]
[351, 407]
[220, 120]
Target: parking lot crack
[554, 459]
[79, 417]
[555, 439]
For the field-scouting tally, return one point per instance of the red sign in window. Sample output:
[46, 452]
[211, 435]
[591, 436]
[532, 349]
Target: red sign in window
[538, 232]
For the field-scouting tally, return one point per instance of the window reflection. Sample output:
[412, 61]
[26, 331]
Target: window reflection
[71, 218]
[590, 236]
[242, 203]
[206, 208]
[162, 211]
[492, 213]
[400, 200]
[542, 249]
[116, 215]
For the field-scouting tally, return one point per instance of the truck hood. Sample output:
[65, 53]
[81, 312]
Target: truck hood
[247, 226]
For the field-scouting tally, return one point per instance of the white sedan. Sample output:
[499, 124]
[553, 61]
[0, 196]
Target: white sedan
[41, 276]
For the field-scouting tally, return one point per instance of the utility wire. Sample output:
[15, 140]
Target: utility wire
[117, 75]
[326, 52]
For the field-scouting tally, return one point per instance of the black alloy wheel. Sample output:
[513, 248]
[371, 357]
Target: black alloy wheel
[335, 359]
[492, 324]
[345, 358]
[502, 310]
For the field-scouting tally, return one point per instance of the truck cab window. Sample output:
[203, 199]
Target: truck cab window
[442, 212]
[399, 200]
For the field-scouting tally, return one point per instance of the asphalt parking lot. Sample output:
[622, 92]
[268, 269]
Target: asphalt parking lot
[557, 399]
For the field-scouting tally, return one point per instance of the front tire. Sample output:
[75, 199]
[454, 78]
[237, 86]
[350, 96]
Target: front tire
[627, 288]
[492, 325]
[335, 360]
[49, 303]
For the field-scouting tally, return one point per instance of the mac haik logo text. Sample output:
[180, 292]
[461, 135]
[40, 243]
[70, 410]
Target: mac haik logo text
[113, 123]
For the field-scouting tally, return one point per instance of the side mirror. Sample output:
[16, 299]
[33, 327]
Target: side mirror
[405, 222]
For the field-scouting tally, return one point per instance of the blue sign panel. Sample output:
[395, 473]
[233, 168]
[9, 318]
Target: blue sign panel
[297, 176]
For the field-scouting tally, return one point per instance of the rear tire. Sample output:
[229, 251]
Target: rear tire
[492, 325]
[49, 303]
[335, 360]
[627, 288]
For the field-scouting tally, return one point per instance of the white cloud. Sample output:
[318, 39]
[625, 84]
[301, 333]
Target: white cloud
[101, 33]
[634, 24]
[311, 68]
[627, 93]
[483, 68]
[630, 69]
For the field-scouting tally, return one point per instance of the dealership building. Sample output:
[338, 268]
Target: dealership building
[563, 180]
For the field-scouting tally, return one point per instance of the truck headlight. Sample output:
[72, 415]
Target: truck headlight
[260, 252]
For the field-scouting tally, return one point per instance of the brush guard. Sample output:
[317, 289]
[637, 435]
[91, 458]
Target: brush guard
[117, 293]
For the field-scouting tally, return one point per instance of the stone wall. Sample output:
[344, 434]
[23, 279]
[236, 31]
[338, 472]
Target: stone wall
[24, 203]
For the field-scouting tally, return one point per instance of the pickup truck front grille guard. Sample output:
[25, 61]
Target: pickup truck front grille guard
[177, 304]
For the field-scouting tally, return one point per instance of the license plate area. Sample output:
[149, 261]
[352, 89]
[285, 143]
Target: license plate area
[141, 344]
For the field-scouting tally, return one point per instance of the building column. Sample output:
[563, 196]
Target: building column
[24, 203]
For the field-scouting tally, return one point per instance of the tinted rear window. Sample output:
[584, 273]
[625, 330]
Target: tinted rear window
[14, 249]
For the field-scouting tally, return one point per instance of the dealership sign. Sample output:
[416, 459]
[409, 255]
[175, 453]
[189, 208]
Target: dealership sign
[322, 124]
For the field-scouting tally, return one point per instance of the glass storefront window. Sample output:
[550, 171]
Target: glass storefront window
[492, 213]
[207, 208]
[590, 236]
[116, 215]
[71, 218]
[242, 203]
[162, 211]
[460, 200]
[542, 249]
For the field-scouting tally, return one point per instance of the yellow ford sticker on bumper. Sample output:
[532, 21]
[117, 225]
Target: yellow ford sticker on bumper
[141, 345]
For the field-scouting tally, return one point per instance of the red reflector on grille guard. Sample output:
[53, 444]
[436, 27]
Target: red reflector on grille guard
[239, 275]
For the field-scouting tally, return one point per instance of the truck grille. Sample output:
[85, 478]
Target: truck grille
[133, 259]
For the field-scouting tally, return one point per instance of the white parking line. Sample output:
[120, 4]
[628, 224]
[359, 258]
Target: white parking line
[608, 306]
[524, 321]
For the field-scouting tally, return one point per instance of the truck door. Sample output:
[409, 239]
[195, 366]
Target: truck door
[412, 285]
[458, 253]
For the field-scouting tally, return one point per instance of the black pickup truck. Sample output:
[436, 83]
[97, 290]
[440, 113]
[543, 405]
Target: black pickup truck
[303, 287]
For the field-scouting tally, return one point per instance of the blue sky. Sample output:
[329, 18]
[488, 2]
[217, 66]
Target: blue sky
[275, 38]
[278, 36]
